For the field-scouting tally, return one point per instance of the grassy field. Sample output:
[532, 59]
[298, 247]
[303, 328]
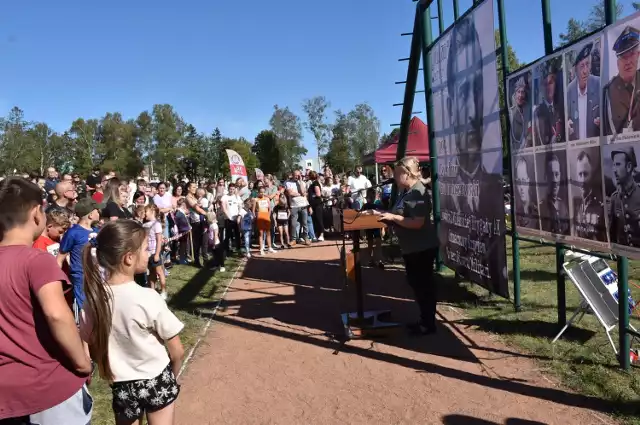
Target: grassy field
[583, 358]
[189, 288]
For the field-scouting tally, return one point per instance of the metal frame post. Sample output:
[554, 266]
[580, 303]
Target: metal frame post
[409, 90]
[515, 243]
[456, 10]
[560, 277]
[440, 18]
[624, 344]
[424, 14]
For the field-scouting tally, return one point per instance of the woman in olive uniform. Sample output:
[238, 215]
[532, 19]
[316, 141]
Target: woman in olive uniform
[410, 217]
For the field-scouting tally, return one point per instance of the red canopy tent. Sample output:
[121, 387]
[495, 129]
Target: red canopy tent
[417, 145]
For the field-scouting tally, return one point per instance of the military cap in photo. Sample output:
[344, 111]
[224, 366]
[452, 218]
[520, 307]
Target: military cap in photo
[628, 151]
[627, 40]
[583, 53]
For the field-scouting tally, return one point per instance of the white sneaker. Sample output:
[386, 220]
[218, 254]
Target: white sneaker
[163, 295]
[248, 254]
[222, 269]
[321, 238]
[262, 252]
[271, 250]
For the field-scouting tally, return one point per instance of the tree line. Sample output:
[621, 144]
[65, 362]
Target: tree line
[166, 144]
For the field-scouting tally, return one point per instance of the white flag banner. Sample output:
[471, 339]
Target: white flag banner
[236, 165]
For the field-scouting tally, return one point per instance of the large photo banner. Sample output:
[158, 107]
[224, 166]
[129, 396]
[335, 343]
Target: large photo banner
[558, 177]
[469, 150]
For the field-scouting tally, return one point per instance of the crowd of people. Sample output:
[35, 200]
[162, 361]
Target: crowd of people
[63, 237]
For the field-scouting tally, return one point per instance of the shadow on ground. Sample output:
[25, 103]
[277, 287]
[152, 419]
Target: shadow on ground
[470, 420]
[302, 300]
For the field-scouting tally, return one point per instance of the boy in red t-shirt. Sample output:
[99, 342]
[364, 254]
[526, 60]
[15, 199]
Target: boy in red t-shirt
[57, 223]
[43, 363]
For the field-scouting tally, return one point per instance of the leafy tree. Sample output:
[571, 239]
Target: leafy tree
[84, 141]
[48, 148]
[338, 155]
[168, 129]
[288, 130]
[387, 138]
[144, 143]
[316, 108]
[14, 140]
[595, 21]
[213, 154]
[366, 131]
[266, 149]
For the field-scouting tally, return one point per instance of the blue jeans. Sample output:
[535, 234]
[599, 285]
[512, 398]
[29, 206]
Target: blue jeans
[299, 218]
[247, 240]
[312, 231]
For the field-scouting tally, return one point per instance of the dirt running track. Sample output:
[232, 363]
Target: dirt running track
[269, 358]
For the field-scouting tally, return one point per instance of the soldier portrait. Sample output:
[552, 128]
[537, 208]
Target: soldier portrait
[548, 115]
[621, 95]
[526, 201]
[586, 194]
[583, 94]
[624, 202]
[471, 88]
[553, 205]
[520, 107]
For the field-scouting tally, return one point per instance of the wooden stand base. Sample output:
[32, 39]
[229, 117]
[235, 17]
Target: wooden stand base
[374, 323]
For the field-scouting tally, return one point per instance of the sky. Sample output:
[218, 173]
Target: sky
[226, 63]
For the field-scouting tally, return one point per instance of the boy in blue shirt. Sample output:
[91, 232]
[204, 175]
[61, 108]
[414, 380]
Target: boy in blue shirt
[73, 243]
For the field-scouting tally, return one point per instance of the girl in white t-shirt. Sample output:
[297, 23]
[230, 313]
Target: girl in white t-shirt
[131, 333]
[213, 241]
[156, 268]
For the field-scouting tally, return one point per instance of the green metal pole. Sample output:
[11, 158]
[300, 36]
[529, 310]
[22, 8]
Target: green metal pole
[623, 262]
[425, 19]
[623, 313]
[409, 89]
[515, 243]
[610, 11]
[440, 18]
[560, 278]
[546, 27]
[456, 10]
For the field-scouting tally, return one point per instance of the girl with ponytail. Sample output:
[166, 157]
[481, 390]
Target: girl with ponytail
[129, 329]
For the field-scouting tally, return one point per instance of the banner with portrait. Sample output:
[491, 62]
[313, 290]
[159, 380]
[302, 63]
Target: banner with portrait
[575, 138]
[236, 166]
[469, 149]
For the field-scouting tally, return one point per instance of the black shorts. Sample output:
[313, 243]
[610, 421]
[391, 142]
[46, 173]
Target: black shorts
[282, 223]
[131, 399]
[152, 263]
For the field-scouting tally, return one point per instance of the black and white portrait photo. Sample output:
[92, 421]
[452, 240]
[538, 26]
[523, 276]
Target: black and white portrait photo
[520, 110]
[548, 112]
[468, 139]
[551, 180]
[585, 186]
[583, 91]
[621, 96]
[622, 193]
[526, 198]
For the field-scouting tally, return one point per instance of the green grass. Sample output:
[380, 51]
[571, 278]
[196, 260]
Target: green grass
[582, 359]
[189, 289]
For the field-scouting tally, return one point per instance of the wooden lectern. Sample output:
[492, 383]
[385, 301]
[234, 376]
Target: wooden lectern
[360, 323]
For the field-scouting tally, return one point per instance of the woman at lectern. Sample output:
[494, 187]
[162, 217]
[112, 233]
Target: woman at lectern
[410, 217]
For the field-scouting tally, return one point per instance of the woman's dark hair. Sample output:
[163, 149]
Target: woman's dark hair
[175, 190]
[313, 175]
[114, 241]
[137, 195]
